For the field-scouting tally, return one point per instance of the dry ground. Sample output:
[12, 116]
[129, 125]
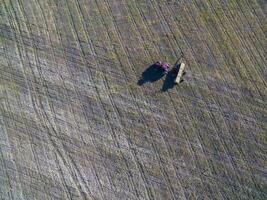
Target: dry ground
[74, 123]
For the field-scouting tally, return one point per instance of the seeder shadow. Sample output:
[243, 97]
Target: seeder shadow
[151, 74]
[169, 80]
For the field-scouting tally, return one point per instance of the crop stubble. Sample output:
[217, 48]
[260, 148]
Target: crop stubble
[75, 124]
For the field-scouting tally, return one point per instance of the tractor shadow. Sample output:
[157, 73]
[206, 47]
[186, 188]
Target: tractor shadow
[169, 80]
[151, 74]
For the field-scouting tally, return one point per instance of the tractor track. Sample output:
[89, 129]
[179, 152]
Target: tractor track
[77, 126]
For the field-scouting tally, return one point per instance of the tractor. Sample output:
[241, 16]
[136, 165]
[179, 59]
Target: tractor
[161, 65]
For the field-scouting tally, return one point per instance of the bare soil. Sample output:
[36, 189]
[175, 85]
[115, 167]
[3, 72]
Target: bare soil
[75, 123]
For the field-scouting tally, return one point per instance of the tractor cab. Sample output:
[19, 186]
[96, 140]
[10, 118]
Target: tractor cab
[162, 66]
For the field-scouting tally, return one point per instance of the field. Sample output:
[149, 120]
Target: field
[75, 123]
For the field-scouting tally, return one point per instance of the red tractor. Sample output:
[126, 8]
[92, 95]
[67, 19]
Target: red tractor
[163, 66]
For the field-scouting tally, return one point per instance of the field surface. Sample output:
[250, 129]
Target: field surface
[75, 122]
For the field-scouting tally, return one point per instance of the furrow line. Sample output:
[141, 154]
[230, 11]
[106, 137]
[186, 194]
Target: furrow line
[158, 51]
[28, 133]
[106, 85]
[116, 28]
[83, 110]
[246, 161]
[212, 118]
[42, 116]
[188, 113]
[199, 136]
[232, 138]
[84, 113]
[241, 41]
[159, 157]
[140, 168]
[224, 29]
[222, 54]
[114, 137]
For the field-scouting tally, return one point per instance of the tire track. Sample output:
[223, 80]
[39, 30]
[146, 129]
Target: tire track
[42, 116]
[261, 25]
[241, 41]
[25, 77]
[134, 153]
[222, 54]
[199, 136]
[224, 30]
[114, 136]
[246, 161]
[210, 112]
[144, 118]
[2, 157]
[188, 114]
[249, 22]
[47, 92]
[80, 104]
[82, 108]
[159, 52]
[223, 165]
[97, 64]
[127, 56]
